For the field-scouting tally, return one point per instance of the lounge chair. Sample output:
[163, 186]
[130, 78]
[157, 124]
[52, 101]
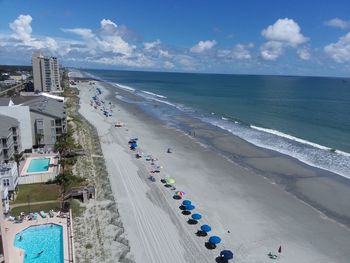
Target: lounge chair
[51, 213]
[42, 214]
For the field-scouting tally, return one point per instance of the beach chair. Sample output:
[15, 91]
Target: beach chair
[51, 213]
[42, 214]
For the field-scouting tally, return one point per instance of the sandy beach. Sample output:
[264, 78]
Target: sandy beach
[306, 212]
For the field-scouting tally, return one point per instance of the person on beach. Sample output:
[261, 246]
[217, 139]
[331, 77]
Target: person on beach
[280, 249]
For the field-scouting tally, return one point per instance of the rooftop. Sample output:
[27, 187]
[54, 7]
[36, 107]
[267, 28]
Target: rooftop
[42, 104]
[5, 101]
[6, 124]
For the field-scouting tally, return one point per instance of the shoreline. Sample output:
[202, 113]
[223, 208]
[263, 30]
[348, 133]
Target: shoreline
[292, 180]
[250, 181]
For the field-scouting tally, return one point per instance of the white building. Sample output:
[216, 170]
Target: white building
[22, 115]
[8, 183]
[46, 73]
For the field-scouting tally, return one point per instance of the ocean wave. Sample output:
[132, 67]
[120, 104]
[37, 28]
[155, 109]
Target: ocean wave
[223, 118]
[125, 87]
[154, 94]
[307, 152]
[290, 137]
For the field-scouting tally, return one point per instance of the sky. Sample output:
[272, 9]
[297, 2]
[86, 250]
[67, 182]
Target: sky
[236, 37]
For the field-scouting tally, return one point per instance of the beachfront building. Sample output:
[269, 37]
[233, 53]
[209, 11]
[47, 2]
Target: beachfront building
[10, 138]
[46, 73]
[21, 114]
[48, 118]
[8, 178]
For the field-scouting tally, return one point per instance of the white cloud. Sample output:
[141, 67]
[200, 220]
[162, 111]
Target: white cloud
[282, 34]
[105, 39]
[339, 23]
[22, 28]
[22, 32]
[238, 52]
[339, 51]
[168, 65]
[271, 50]
[202, 46]
[164, 53]
[151, 45]
[304, 53]
[83, 32]
[242, 52]
[108, 27]
[285, 30]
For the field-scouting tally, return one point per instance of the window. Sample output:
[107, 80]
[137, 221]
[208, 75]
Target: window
[58, 122]
[6, 182]
[52, 122]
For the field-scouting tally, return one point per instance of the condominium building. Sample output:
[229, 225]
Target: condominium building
[46, 73]
[48, 118]
[9, 178]
[10, 138]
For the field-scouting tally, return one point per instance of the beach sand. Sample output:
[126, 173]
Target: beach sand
[238, 197]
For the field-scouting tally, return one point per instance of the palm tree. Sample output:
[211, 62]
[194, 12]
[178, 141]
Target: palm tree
[18, 157]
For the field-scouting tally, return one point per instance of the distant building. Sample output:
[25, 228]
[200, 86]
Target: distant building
[10, 138]
[46, 73]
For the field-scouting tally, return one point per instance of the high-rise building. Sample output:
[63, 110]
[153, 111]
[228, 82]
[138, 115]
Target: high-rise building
[46, 73]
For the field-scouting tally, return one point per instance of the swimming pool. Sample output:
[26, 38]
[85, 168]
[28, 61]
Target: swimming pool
[43, 243]
[38, 165]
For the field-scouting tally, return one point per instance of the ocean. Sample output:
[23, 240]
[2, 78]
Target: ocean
[307, 118]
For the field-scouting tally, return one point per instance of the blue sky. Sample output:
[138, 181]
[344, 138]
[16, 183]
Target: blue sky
[250, 37]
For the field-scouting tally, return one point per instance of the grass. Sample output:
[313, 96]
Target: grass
[77, 210]
[37, 193]
[35, 208]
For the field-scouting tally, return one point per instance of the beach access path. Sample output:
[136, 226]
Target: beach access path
[251, 215]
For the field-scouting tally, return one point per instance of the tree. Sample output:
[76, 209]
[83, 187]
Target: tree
[18, 157]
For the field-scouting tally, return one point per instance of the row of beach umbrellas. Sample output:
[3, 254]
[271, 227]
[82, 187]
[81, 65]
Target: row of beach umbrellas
[187, 207]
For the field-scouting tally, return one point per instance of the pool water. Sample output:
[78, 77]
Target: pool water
[38, 165]
[47, 239]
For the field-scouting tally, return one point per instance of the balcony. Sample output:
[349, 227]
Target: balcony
[7, 144]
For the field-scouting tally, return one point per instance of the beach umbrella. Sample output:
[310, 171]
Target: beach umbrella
[186, 202]
[170, 181]
[206, 228]
[196, 216]
[214, 240]
[189, 207]
[226, 254]
[180, 193]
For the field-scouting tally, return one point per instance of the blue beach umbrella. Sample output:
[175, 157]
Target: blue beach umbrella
[196, 216]
[189, 207]
[226, 254]
[186, 202]
[214, 240]
[206, 228]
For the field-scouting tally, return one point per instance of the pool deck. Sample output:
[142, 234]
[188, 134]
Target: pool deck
[16, 255]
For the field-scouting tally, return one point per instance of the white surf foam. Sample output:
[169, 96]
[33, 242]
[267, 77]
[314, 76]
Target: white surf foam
[312, 154]
[153, 94]
[125, 87]
[290, 137]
